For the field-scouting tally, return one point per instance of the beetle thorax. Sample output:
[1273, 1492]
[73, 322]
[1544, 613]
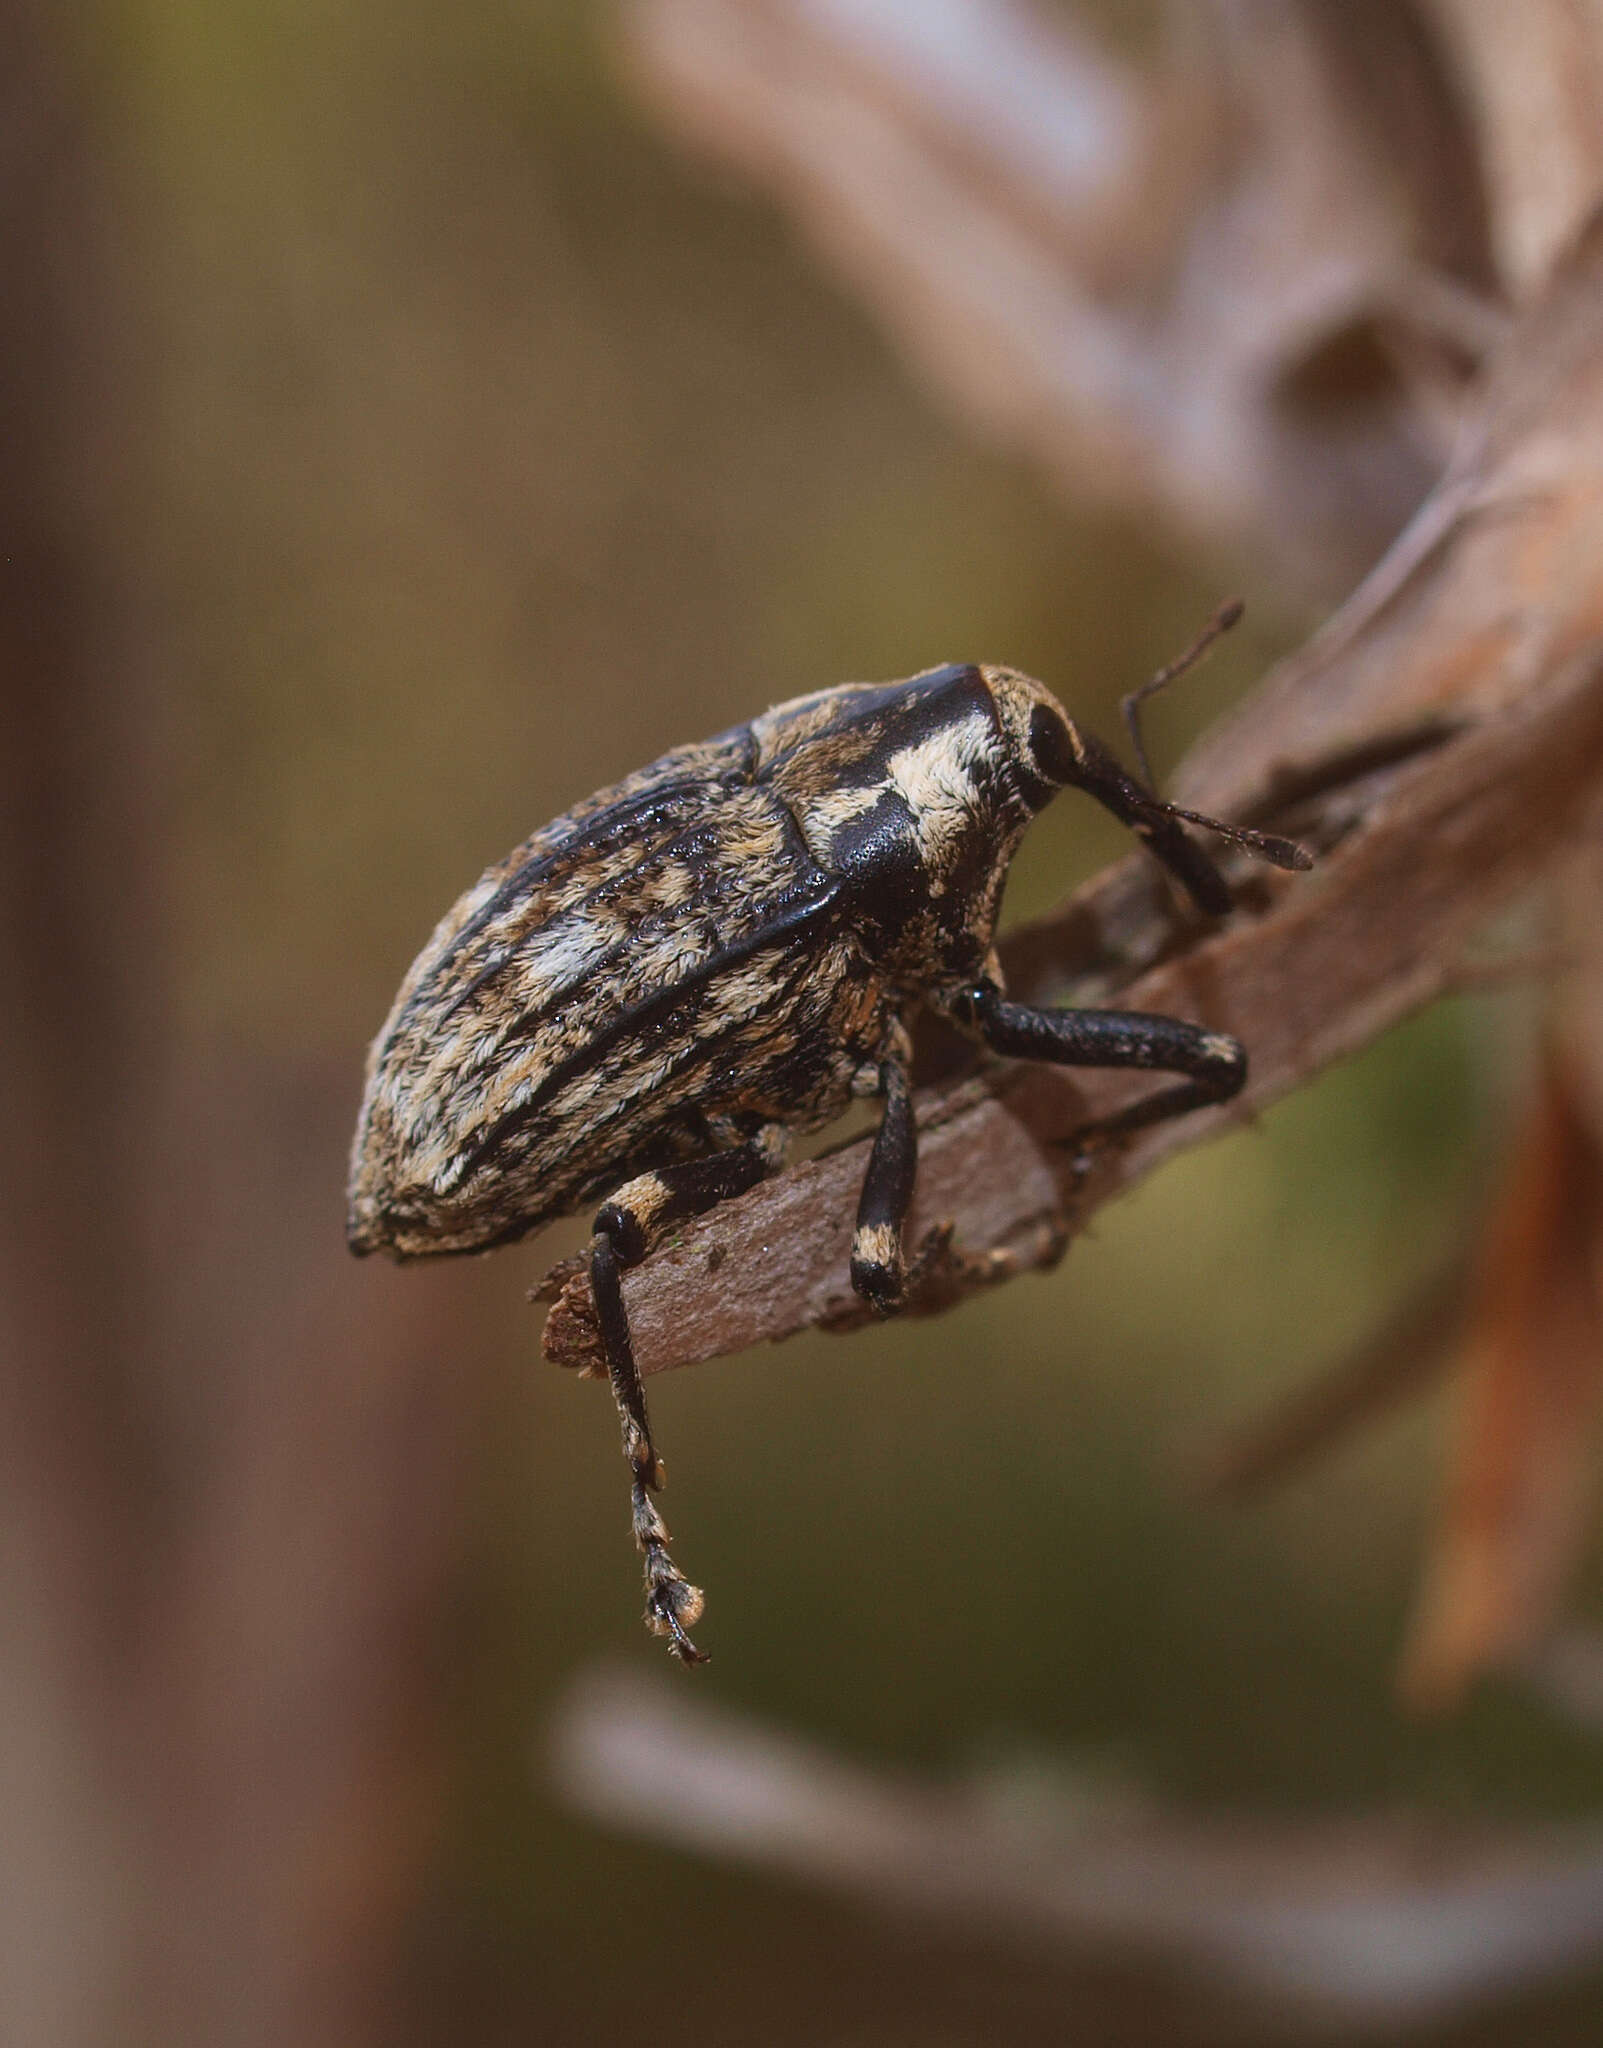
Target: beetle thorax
[920, 819]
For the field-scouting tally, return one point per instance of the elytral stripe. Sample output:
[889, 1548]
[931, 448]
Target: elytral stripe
[607, 1105]
[595, 830]
[569, 949]
[639, 1017]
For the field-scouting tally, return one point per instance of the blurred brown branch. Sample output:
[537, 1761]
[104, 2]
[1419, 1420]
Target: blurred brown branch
[1241, 289]
[1488, 614]
[1367, 1922]
[217, 1754]
[80, 943]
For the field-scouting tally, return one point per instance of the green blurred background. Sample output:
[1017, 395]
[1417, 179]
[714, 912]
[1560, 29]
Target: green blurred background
[476, 448]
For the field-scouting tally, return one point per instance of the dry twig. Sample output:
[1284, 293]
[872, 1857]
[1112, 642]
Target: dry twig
[1441, 740]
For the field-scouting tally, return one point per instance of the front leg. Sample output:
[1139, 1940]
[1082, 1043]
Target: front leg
[625, 1229]
[1214, 1064]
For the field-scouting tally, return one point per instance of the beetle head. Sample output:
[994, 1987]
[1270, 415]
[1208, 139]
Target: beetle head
[1047, 750]
[1050, 752]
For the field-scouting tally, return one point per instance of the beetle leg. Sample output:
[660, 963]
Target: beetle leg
[1214, 1064]
[625, 1229]
[879, 1269]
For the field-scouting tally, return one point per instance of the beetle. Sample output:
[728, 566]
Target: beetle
[644, 1000]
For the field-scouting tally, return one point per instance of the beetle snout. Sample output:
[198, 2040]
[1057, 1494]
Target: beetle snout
[366, 1229]
[360, 1235]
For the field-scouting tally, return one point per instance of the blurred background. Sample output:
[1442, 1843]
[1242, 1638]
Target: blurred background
[404, 436]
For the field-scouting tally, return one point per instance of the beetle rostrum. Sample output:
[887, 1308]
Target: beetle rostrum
[643, 1001]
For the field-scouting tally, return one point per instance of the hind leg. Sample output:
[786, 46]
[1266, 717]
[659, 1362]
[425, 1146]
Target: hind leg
[625, 1230]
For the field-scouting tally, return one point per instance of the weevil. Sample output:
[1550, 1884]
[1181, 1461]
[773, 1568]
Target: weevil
[649, 996]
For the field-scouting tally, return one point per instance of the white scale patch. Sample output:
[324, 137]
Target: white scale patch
[876, 1244]
[555, 960]
[935, 779]
[827, 814]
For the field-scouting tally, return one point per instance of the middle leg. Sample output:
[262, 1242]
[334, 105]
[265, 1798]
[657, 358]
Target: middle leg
[879, 1263]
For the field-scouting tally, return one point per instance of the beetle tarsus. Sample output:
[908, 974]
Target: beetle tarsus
[672, 1603]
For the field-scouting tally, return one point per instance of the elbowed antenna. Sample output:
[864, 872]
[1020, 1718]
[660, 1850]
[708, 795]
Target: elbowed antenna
[1228, 615]
[1281, 853]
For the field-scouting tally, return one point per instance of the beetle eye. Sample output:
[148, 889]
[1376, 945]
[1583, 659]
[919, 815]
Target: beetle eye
[1056, 759]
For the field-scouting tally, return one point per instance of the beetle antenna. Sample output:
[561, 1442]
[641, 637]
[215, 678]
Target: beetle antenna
[1130, 706]
[1282, 853]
